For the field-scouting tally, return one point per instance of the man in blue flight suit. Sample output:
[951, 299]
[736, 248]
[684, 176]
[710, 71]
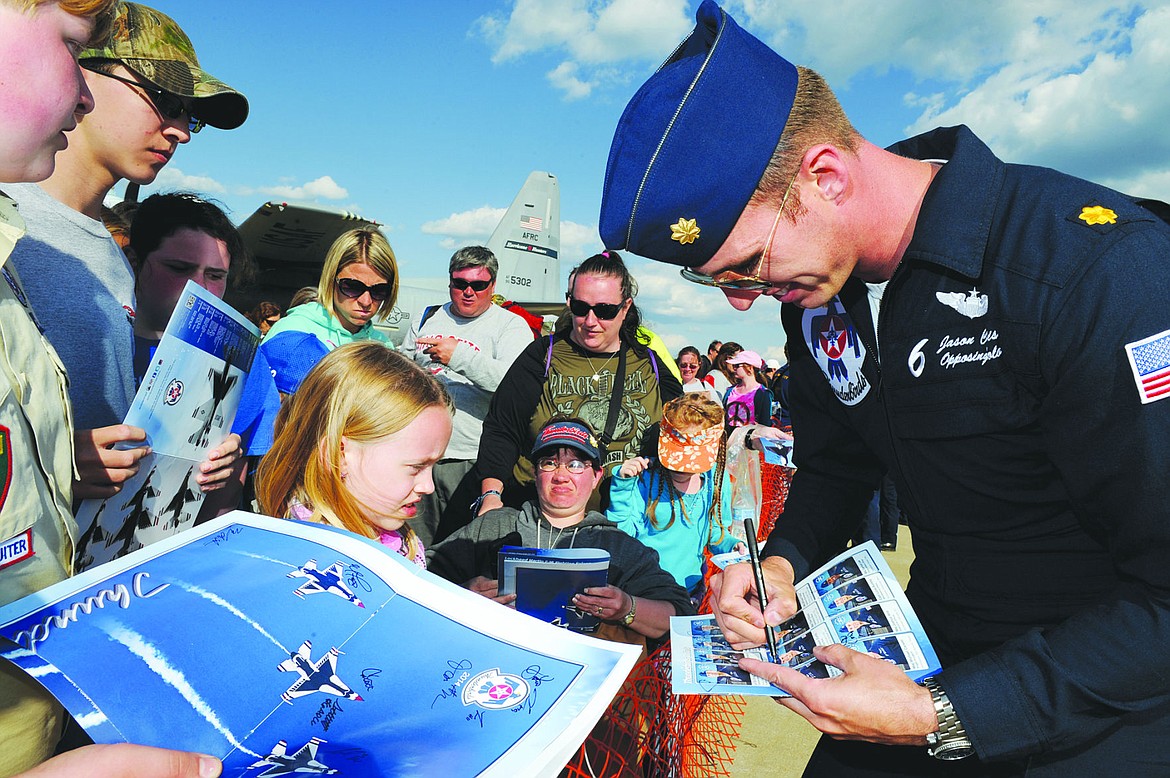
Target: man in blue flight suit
[1014, 349]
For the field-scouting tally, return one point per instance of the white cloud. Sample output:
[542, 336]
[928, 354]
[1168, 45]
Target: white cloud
[1101, 117]
[476, 224]
[594, 35]
[564, 78]
[172, 178]
[578, 241]
[323, 188]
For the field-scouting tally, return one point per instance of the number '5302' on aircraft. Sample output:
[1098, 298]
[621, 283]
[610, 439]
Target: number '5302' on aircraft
[290, 241]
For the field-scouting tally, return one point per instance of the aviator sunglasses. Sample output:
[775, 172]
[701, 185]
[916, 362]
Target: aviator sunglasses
[603, 311]
[353, 289]
[730, 279]
[169, 106]
[459, 284]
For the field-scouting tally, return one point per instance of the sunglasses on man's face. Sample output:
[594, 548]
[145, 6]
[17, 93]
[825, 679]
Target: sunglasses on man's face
[459, 284]
[353, 289]
[603, 311]
[169, 106]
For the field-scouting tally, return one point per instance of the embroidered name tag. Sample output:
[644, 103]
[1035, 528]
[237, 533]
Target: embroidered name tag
[16, 549]
[1150, 361]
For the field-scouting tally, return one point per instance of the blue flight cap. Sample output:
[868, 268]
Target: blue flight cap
[694, 141]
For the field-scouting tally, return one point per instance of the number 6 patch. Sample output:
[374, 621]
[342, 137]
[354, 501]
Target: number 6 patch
[1150, 361]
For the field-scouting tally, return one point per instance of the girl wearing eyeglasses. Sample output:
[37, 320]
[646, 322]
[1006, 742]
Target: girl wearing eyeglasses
[355, 446]
[594, 367]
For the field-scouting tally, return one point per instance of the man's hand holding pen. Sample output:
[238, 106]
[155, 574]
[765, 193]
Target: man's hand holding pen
[737, 607]
[873, 700]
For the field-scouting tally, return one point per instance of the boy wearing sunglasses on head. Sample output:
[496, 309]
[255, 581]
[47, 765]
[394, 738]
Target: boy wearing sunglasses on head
[468, 344]
[150, 95]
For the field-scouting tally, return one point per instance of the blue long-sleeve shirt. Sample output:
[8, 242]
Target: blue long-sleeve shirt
[680, 546]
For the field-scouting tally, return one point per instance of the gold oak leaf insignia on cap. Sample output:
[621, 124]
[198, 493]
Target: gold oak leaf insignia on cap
[1097, 214]
[684, 231]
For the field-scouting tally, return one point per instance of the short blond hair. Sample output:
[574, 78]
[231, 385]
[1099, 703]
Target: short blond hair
[366, 246]
[101, 11]
[816, 117]
[362, 391]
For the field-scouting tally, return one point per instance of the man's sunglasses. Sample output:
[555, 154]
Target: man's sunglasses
[603, 311]
[459, 284]
[169, 106]
[353, 289]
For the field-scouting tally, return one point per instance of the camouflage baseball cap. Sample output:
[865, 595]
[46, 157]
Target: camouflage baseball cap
[152, 45]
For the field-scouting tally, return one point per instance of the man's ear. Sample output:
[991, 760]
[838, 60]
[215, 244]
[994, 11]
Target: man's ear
[598, 472]
[827, 166]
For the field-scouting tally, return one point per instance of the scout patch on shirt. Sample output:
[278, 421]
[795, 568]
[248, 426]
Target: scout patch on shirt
[1150, 361]
[16, 549]
[833, 341]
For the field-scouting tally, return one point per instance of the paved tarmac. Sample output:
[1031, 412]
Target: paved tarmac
[775, 741]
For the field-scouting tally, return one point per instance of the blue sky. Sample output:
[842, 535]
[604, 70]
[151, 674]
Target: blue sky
[427, 117]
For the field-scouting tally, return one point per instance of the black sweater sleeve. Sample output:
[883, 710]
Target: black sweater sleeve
[505, 428]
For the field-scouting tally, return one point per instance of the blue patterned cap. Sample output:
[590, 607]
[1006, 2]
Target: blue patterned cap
[694, 141]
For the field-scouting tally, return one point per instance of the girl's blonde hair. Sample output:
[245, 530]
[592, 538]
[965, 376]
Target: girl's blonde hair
[362, 391]
[366, 246]
[692, 411]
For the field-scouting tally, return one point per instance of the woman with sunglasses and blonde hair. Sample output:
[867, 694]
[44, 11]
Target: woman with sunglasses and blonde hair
[595, 367]
[356, 445]
[358, 285]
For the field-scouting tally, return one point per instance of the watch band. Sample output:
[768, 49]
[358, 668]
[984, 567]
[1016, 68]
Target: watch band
[950, 742]
[628, 619]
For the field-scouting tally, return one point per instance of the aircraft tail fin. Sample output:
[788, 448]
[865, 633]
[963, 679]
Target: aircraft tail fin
[527, 243]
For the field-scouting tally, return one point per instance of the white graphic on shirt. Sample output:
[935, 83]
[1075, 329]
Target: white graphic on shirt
[917, 360]
[972, 305]
[956, 350]
[832, 339]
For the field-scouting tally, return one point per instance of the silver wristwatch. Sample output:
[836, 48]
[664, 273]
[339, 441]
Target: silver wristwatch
[950, 742]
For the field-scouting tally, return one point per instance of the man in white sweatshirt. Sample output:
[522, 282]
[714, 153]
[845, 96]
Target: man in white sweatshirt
[468, 344]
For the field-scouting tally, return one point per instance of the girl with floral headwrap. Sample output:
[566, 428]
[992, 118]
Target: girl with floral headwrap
[680, 503]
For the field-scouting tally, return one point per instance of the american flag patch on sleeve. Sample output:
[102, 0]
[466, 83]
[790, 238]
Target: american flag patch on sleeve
[1150, 361]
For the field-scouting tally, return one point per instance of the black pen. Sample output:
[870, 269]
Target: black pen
[749, 526]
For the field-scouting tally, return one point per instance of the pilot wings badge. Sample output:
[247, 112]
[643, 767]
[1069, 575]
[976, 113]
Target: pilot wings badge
[972, 305]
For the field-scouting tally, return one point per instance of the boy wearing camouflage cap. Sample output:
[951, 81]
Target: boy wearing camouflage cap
[150, 95]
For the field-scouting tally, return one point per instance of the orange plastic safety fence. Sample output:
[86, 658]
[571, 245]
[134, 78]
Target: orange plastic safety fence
[647, 732]
[650, 732]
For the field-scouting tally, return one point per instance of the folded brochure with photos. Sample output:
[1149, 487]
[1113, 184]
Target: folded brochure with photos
[854, 600]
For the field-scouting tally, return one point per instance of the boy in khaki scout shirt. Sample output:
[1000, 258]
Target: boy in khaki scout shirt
[42, 94]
